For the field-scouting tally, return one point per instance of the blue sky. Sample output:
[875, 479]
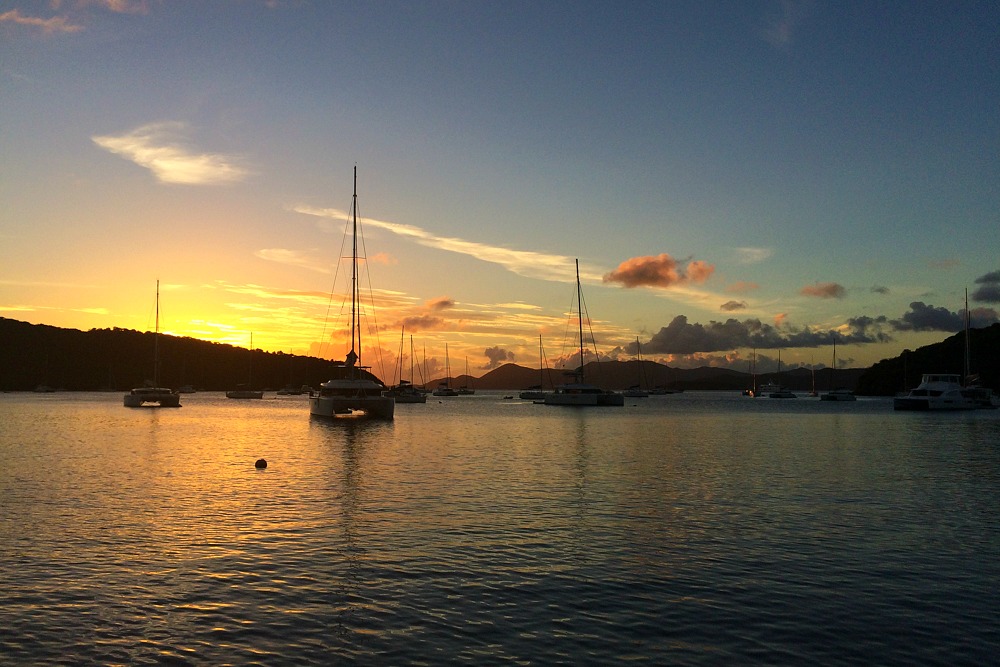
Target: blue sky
[730, 175]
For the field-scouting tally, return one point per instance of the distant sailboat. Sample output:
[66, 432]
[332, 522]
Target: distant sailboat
[247, 390]
[637, 391]
[537, 393]
[444, 387]
[775, 390]
[405, 392]
[466, 389]
[161, 396]
[840, 394]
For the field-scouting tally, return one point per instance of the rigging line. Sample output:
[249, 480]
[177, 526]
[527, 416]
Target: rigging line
[590, 329]
[333, 288]
[371, 298]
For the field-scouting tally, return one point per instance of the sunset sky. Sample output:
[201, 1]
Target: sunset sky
[731, 175]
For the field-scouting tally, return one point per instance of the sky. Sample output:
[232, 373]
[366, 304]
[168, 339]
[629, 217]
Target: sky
[736, 179]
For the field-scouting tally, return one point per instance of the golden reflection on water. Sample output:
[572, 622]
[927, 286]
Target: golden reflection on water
[441, 523]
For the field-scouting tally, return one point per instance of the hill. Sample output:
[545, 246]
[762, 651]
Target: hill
[890, 376]
[119, 359]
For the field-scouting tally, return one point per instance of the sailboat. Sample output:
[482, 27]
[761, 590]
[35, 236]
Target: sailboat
[163, 397]
[751, 391]
[579, 393]
[536, 393]
[775, 390]
[946, 391]
[405, 392]
[466, 390]
[247, 390]
[444, 387]
[636, 391]
[841, 393]
[356, 391]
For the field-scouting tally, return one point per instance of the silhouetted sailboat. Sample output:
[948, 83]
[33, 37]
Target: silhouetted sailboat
[579, 393]
[154, 393]
[247, 390]
[841, 393]
[357, 390]
[537, 393]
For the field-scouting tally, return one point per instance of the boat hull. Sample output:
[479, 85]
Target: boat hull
[836, 395]
[244, 393]
[163, 398]
[928, 403]
[583, 396]
[375, 407]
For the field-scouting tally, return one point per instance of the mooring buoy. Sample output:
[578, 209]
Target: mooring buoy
[261, 463]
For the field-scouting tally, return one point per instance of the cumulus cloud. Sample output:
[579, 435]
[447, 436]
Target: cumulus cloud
[824, 291]
[925, 317]
[660, 271]
[733, 305]
[162, 148]
[497, 356]
[682, 337]
[423, 322]
[989, 292]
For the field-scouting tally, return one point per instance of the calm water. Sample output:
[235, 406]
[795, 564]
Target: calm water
[687, 529]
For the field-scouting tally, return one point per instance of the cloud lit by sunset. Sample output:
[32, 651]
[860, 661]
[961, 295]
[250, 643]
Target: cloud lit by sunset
[660, 271]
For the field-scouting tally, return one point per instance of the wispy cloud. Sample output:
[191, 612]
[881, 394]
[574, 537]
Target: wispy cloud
[753, 255]
[522, 262]
[119, 6]
[163, 149]
[306, 260]
[48, 26]
[65, 23]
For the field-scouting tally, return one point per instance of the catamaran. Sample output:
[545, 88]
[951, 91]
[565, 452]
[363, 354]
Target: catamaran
[580, 393]
[356, 391]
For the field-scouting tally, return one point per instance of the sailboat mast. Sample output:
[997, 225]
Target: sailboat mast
[355, 331]
[156, 340]
[968, 368]
[411, 362]
[579, 305]
[541, 372]
[833, 369]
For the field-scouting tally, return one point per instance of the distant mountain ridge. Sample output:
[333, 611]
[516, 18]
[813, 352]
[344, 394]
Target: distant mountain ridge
[119, 359]
[623, 374]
